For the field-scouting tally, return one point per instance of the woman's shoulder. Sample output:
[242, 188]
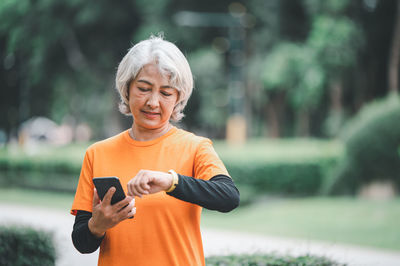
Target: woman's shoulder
[190, 137]
[110, 142]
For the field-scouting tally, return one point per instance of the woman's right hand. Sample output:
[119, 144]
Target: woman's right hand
[105, 215]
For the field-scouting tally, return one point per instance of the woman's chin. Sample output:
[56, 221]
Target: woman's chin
[149, 124]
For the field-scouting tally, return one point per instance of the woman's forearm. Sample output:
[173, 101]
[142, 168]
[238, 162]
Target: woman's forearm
[219, 193]
[83, 240]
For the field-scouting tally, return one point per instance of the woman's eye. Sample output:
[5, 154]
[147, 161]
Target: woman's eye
[166, 93]
[143, 89]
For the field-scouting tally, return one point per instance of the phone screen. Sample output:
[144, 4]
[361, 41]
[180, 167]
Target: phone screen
[103, 184]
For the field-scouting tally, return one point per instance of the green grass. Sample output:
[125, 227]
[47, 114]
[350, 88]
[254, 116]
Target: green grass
[34, 198]
[339, 220]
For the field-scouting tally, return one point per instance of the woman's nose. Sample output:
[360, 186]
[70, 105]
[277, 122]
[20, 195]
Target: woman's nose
[152, 101]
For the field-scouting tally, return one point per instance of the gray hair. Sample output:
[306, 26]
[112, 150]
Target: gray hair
[169, 60]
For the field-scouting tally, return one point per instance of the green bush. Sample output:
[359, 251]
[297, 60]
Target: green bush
[45, 179]
[21, 246]
[371, 139]
[248, 194]
[289, 178]
[50, 172]
[289, 167]
[266, 259]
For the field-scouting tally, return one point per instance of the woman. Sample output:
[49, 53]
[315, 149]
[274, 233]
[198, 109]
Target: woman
[169, 174]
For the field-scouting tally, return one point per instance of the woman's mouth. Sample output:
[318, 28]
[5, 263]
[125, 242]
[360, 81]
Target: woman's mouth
[150, 115]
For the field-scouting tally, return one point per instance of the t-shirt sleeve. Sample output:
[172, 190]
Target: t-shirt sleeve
[207, 162]
[84, 192]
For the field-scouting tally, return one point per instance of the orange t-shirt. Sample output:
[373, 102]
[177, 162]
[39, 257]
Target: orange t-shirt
[165, 230]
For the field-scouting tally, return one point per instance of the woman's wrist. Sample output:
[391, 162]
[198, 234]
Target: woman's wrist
[92, 228]
[174, 182]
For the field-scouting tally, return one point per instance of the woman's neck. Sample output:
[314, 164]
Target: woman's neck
[143, 134]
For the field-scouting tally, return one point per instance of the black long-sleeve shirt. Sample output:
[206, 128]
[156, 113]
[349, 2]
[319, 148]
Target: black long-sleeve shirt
[219, 193]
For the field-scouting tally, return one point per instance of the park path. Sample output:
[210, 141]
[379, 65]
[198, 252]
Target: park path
[216, 242]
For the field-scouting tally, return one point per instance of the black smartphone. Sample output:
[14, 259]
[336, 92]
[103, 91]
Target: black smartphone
[103, 184]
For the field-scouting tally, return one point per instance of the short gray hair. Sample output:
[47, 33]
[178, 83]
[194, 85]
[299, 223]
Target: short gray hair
[169, 60]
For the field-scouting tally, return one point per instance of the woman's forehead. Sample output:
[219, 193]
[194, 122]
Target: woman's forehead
[153, 71]
[151, 74]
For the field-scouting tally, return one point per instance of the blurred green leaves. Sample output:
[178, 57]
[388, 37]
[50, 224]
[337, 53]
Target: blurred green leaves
[336, 41]
[59, 60]
[295, 69]
[210, 84]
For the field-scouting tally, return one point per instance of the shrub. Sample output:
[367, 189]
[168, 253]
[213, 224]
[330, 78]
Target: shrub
[20, 246]
[247, 194]
[291, 178]
[289, 167]
[372, 139]
[268, 259]
[50, 172]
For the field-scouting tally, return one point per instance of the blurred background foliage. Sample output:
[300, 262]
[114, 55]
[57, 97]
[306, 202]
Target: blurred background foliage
[293, 68]
[309, 65]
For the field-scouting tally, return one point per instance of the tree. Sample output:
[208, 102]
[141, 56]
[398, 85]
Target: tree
[61, 58]
[393, 73]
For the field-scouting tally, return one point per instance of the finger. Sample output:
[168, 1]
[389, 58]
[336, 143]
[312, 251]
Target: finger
[122, 204]
[129, 189]
[132, 203]
[144, 182]
[132, 213]
[107, 198]
[127, 208]
[132, 190]
[140, 183]
[144, 185]
[129, 211]
[136, 184]
[96, 198]
[139, 191]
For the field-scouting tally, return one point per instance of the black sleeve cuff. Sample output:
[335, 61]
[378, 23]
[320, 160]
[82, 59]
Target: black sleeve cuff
[83, 240]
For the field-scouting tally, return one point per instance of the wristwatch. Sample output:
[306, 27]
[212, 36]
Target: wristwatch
[175, 180]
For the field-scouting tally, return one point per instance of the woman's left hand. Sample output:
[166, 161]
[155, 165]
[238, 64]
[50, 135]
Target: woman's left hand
[149, 182]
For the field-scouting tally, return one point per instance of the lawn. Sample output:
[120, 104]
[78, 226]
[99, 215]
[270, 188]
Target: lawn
[348, 220]
[45, 199]
[339, 220]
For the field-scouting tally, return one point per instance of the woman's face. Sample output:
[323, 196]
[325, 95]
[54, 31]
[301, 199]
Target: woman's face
[151, 98]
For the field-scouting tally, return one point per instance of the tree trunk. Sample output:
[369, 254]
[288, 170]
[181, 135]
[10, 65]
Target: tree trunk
[274, 110]
[303, 123]
[336, 108]
[393, 71]
[336, 96]
[272, 121]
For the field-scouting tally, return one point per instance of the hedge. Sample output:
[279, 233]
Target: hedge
[268, 259]
[292, 172]
[23, 246]
[289, 178]
[40, 173]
